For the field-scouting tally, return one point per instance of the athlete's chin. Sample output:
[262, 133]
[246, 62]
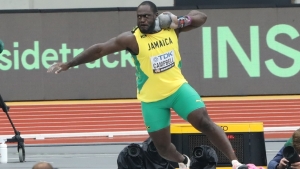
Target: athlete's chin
[144, 30]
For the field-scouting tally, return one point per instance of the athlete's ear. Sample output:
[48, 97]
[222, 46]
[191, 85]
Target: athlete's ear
[156, 14]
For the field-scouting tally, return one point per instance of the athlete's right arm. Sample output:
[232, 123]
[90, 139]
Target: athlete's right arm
[121, 42]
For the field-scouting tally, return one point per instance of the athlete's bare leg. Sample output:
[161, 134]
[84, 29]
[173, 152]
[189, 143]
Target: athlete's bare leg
[202, 122]
[162, 142]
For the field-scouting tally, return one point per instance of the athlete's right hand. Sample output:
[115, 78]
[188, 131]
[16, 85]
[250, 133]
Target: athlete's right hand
[58, 67]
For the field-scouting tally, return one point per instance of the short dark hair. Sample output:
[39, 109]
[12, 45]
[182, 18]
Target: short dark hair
[151, 4]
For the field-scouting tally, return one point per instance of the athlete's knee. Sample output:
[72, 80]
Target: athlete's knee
[200, 120]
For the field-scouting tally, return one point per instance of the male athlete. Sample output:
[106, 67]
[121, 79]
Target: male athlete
[160, 83]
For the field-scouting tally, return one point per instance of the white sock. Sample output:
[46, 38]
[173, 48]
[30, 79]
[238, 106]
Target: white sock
[235, 162]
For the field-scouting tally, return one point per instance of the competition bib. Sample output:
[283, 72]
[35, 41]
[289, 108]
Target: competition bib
[163, 62]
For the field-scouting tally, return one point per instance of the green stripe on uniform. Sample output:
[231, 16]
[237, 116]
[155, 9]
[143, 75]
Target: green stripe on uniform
[141, 77]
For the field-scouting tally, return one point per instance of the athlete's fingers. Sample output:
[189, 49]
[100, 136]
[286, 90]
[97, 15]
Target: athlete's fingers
[52, 67]
[58, 71]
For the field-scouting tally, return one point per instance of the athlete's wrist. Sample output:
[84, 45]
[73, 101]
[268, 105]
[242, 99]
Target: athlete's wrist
[70, 64]
[184, 21]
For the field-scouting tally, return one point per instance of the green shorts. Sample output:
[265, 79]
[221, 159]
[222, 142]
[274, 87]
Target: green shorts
[157, 115]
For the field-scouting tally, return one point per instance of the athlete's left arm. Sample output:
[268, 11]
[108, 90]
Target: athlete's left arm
[192, 20]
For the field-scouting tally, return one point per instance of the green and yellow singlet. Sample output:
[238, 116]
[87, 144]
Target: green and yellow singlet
[158, 65]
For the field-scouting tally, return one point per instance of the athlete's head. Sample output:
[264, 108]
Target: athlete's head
[146, 15]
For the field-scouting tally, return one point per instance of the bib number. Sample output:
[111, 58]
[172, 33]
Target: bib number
[163, 62]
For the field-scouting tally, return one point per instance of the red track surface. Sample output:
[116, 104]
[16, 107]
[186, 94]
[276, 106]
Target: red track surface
[107, 117]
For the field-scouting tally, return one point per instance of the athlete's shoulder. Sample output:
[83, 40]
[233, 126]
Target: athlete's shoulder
[128, 40]
[127, 34]
[126, 37]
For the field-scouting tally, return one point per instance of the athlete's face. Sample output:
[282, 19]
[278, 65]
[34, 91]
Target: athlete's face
[146, 19]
